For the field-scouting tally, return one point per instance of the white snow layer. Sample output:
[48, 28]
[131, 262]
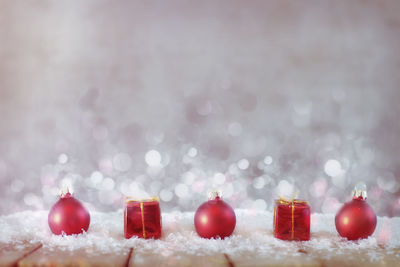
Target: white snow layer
[253, 234]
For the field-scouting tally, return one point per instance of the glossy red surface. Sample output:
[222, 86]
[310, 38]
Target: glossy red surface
[68, 216]
[288, 220]
[144, 223]
[215, 218]
[355, 220]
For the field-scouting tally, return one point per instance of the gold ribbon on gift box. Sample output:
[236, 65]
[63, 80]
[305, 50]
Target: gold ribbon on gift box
[130, 199]
[285, 201]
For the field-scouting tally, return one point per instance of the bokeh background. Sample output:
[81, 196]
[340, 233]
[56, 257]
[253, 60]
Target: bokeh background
[173, 98]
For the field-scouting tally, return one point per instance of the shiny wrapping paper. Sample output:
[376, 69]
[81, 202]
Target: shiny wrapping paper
[142, 218]
[291, 219]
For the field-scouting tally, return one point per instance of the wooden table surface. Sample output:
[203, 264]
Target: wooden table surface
[39, 255]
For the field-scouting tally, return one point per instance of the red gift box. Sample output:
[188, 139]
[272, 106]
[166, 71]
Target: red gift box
[291, 219]
[142, 218]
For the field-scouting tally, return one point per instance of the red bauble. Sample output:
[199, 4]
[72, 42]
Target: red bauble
[356, 219]
[215, 218]
[68, 216]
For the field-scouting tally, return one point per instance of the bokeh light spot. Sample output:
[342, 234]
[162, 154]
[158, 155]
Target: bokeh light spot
[333, 168]
[153, 158]
[243, 164]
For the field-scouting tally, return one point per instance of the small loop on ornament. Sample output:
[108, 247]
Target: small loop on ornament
[64, 192]
[360, 191]
[214, 193]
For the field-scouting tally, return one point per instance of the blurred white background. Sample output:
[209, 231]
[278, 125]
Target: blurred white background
[173, 98]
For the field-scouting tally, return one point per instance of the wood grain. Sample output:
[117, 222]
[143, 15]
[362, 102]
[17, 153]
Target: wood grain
[143, 259]
[86, 257]
[303, 255]
[11, 254]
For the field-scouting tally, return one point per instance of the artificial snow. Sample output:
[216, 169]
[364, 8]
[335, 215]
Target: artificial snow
[253, 234]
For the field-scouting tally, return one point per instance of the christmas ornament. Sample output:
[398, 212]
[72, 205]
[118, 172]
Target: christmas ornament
[214, 218]
[356, 219]
[291, 219]
[68, 216]
[142, 218]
